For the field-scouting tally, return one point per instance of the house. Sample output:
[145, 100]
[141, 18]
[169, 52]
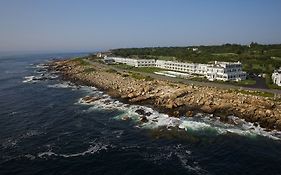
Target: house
[276, 77]
[103, 54]
[195, 49]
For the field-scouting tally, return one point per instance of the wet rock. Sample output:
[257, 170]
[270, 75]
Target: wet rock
[90, 99]
[228, 120]
[142, 112]
[176, 113]
[278, 124]
[143, 119]
[207, 109]
[271, 122]
[125, 118]
[189, 114]
[140, 98]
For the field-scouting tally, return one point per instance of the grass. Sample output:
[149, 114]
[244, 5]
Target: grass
[225, 54]
[138, 76]
[81, 61]
[246, 82]
[111, 71]
[270, 83]
[89, 70]
[255, 93]
[273, 86]
[147, 69]
[123, 66]
[200, 79]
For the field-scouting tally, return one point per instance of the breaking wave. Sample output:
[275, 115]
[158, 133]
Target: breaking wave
[40, 73]
[201, 124]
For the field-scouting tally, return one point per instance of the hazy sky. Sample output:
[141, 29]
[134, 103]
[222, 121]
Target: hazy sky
[86, 25]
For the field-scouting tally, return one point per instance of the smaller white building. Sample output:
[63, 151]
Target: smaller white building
[194, 49]
[276, 77]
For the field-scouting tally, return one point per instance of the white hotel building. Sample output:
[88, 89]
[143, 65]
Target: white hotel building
[224, 71]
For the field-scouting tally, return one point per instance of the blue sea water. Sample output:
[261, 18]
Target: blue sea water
[46, 129]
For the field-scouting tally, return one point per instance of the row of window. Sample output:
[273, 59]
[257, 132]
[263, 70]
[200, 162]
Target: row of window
[224, 71]
[185, 70]
[181, 65]
[146, 62]
[234, 66]
[144, 65]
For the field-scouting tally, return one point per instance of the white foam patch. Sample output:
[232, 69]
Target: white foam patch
[62, 85]
[13, 141]
[91, 150]
[29, 79]
[240, 127]
[179, 151]
[41, 66]
[194, 125]
[41, 73]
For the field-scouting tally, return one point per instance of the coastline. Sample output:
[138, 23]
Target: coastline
[174, 99]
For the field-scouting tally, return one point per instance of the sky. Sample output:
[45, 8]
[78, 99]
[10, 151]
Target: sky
[90, 25]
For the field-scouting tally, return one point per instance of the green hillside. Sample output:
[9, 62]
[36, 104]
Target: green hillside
[256, 58]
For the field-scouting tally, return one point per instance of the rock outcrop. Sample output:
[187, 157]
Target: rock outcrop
[175, 99]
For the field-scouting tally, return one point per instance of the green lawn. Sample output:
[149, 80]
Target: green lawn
[256, 93]
[123, 66]
[225, 54]
[239, 83]
[245, 82]
[81, 61]
[270, 84]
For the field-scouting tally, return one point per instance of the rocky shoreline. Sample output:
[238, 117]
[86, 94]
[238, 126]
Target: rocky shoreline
[173, 98]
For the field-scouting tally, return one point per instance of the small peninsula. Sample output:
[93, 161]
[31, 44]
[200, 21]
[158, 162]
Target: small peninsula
[176, 99]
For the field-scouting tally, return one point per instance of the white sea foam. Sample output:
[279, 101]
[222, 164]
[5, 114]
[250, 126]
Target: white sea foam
[13, 141]
[168, 153]
[42, 66]
[194, 125]
[47, 154]
[41, 77]
[91, 150]
[29, 79]
[41, 73]
[62, 85]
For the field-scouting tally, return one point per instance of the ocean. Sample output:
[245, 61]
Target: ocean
[45, 128]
